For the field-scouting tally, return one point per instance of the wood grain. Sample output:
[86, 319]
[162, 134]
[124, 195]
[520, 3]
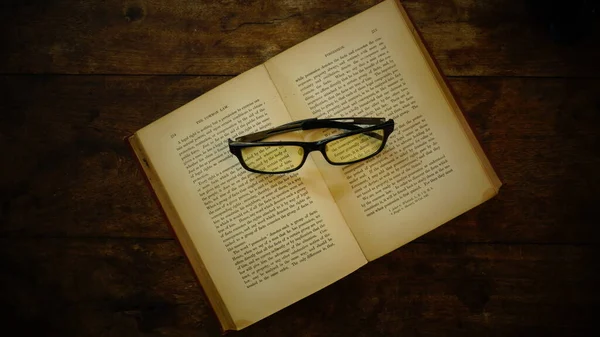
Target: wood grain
[468, 38]
[131, 287]
[85, 251]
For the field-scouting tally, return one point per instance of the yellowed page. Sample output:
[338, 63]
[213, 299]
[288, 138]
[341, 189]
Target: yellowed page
[370, 65]
[182, 235]
[266, 240]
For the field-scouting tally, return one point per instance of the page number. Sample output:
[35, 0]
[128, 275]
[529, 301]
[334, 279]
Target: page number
[173, 135]
[373, 31]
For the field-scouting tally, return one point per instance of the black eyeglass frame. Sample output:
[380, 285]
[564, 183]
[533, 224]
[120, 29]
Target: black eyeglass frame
[253, 140]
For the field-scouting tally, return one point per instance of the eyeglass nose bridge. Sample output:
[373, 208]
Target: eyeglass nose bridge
[314, 146]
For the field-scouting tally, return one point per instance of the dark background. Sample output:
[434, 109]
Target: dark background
[85, 251]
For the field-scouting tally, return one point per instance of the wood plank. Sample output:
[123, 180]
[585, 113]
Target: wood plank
[468, 38]
[542, 137]
[71, 173]
[99, 287]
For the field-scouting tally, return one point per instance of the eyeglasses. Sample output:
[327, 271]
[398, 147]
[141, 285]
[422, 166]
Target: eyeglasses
[364, 138]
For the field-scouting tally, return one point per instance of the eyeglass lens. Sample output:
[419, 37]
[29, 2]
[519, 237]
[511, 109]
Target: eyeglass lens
[273, 159]
[355, 147]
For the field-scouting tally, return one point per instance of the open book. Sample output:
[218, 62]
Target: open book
[259, 243]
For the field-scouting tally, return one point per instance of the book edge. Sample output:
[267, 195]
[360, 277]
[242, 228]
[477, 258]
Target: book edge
[453, 104]
[184, 241]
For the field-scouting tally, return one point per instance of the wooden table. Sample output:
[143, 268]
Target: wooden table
[85, 251]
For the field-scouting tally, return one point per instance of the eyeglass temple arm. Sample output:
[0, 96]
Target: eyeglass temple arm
[340, 123]
[347, 124]
[309, 124]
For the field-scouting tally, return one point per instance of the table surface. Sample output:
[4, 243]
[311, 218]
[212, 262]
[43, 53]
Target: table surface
[85, 251]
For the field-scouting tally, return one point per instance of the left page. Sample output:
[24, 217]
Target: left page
[265, 240]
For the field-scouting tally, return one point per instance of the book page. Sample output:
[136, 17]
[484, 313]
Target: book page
[428, 173]
[266, 240]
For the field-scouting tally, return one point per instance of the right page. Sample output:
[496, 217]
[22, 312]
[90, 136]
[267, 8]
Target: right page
[432, 168]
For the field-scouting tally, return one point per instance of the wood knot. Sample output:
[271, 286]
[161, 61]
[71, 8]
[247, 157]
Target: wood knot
[134, 14]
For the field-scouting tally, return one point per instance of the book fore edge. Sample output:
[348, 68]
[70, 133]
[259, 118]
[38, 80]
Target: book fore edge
[454, 106]
[208, 286]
